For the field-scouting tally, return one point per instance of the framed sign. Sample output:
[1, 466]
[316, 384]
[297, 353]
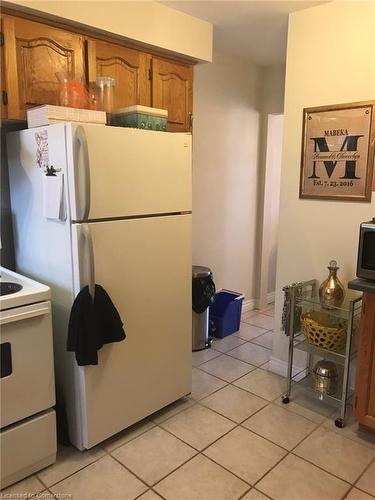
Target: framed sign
[338, 144]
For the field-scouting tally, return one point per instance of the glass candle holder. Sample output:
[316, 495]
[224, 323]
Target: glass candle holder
[105, 92]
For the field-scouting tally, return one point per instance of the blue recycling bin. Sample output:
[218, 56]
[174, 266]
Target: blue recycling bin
[225, 313]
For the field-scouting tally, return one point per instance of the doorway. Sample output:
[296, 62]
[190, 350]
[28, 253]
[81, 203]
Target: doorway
[270, 209]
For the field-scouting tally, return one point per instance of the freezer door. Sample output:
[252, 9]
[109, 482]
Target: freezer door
[145, 266]
[118, 172]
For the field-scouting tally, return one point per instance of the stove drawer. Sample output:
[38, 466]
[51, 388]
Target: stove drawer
[27, 447]
[27, 375]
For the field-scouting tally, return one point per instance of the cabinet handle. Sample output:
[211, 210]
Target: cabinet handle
[190, 119]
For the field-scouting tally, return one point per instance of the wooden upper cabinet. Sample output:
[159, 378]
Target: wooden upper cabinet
[34, 53]
[129, 68]
[4, 111]
[172, 89]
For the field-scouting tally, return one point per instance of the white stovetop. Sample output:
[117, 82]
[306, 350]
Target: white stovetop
[31, 292]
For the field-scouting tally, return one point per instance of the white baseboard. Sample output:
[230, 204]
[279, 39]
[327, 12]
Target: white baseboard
[250, 305]
[280, 367]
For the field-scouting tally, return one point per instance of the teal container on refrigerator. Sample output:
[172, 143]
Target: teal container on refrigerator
[143, 117]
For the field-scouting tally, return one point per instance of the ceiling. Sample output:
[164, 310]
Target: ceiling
[254, 30]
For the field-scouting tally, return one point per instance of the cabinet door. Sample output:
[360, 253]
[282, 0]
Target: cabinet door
[364, 401]
[129, 68]
[4, 111]
[34, 53]
[172, 89]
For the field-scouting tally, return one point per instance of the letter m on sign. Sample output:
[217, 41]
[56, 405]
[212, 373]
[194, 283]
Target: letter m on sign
[350, 143]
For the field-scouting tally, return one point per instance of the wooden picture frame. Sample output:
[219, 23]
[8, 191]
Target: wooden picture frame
[337, 155]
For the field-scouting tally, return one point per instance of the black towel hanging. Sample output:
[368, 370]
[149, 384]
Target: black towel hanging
[94, 321]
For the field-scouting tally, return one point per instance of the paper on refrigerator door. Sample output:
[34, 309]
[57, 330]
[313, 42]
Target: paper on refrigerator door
[42, 152]
[53, 196]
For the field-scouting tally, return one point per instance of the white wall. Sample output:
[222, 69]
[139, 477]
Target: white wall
[225, 170]
[273, 89]
[146, 22]
[331, 59]
[273, 178]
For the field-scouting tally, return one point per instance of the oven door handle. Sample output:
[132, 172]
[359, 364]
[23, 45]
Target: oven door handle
[10, 317]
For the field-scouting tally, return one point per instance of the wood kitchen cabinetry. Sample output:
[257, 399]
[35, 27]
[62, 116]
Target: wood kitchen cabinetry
[145, 79]
[129, 68]
[172, 89]
[3, 96]
[34, 52]
[364, 401]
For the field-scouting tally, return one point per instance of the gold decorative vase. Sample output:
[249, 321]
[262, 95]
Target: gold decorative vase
[331, 291]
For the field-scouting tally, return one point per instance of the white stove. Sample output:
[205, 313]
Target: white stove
[27, 386]
[30, 292]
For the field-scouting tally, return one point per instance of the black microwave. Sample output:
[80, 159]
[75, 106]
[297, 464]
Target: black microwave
[366, 251]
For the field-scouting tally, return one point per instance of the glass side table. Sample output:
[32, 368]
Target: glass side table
[303, 299]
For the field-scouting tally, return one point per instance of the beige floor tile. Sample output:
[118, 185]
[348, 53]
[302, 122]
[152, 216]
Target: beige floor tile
[295, 479]
[43, 495]
[265, 340]
[198, 426]
[351, 429]
[266, 367]
[29, 486]
[201, 479]
[69, 460]
[204, 384]
[265, 384]
[280, 426]
[153, 455]
[172, 409]
[308, 407]
[227, 368]
[249, 314]
[149, 495]
[336, 454]
[251, 353]
[234, 403]
[269, 307]
[356, 494]
[249, 332]
[127, 435]
[199, 357]
[245, 454]
[254, 495]
[227, 343]
[269, 312]
[262, 320]
[105, 479]
[367, 481]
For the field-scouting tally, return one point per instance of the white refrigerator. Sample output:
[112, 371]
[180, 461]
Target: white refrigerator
[124, 222]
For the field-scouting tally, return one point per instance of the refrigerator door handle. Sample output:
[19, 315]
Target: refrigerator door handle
[82, 178]
[90, 259]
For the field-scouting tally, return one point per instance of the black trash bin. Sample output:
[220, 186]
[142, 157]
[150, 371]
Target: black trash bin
[203, 296]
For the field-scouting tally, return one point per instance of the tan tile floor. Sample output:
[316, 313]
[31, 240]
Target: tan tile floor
[230, 439]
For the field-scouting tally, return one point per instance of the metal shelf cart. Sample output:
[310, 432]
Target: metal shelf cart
[304, 297]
